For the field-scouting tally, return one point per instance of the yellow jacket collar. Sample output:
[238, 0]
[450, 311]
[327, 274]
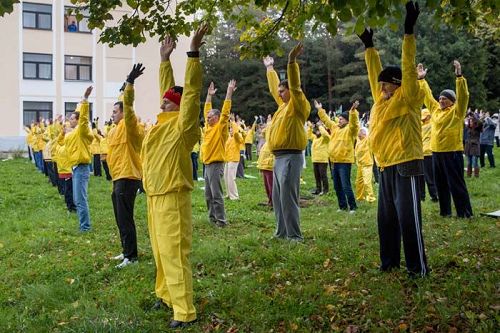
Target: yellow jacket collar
[165, 116]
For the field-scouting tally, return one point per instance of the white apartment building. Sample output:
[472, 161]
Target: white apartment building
[48, 59]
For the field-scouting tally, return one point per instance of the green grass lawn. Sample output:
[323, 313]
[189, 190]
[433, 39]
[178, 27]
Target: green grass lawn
[54, 279]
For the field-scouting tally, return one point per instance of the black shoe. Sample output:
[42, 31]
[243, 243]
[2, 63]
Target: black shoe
[181, 324]
[159, 304]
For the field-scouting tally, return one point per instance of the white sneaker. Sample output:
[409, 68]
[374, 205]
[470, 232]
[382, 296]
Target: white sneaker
[118, 257]
[125, 262]
[352, 211]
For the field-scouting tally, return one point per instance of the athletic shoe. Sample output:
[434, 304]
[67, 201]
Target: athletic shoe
[126, 262]
[118, 257]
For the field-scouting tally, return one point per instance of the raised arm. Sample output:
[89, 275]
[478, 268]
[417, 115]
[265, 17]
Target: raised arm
[134, 133]
[298, 100]
[409, 84]
[373, 64]
[226, 108]
[208, 102]
[272, 79]
[166, 76]
[354, 119]
[189, 120]
[323, 116]
[462, 91]
[83, 122]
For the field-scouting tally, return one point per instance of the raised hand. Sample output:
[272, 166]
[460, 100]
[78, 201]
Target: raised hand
[354, 105]
[231, 87]
[295, 52]
[421, 71]
[458, 68]
[137, 70]
[317, 105]
[412, 12]
[88, 91]
[367, 37]
[167, 47]
[211, 89]
[197, 40]
[268, 62]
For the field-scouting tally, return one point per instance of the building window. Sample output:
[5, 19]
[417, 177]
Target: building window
[71, 24]
[77, 68]
[70, 107]
[36, 111]
[37, 16]
[37, 66]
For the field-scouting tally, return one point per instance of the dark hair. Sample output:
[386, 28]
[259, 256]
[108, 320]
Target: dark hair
[120, 104]
[178, 89]
[284, 83]
[77, 115]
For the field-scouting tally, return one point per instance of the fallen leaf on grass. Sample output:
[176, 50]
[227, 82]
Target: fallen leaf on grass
[352, 329]
[294, 326]
[402, 327]
[326, 263]
[70, 281]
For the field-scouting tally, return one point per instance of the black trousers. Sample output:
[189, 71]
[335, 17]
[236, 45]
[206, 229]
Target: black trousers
[428, 178]
[240, 172]
[123, 197]
[106, 170]
[320, 175]
[399, 214]
[248, 151]
[52, 173]
[450, 182]
[488, 149]
[67, 185]
[97, 165]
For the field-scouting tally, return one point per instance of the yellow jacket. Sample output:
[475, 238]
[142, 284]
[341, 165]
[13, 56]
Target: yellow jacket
[341, 147]
[78, 141]
[62, 157]
[426, 138]
[395, 124]
[363, 153]
[214, 139]
[166, 149]
[38, 141]
[287, 127]
[95, 146]
[233, 144]
[319, 148]
[250, 134]
[103, 146]
[447, 124]
[125, 141]
[266, 156]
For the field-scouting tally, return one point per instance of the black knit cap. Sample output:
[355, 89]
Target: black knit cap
[345, 115]
[391, 74]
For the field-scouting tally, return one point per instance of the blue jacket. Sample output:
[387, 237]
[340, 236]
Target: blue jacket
[488, 133]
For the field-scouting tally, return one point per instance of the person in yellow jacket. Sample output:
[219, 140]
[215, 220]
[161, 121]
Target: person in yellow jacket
[64, 170]
[124, 147]
[341, 150]
[319, 156]
[428, 169]
[233, 143]
[77, 145]
[265, 164]
[213, 153]
[38, 145]
[287, 139]
[95, 149]
[249, 138]
[364, 162]
[447, 120]
[396, 142]
[103, 149]
[167, 179]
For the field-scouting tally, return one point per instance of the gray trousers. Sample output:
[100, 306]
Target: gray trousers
[286, 182]
[213, 192]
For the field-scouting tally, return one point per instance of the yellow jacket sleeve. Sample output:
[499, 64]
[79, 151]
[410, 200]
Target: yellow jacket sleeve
[166, 77]
[189, 120]
[298, 100]
[206, 109]
[224, 118]
[462, 97]
[273, 81]
[374, 67]
[326, 119]
[83, 129]
[409, 82]
[429, 101]
[353, 123]
[134, 133]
